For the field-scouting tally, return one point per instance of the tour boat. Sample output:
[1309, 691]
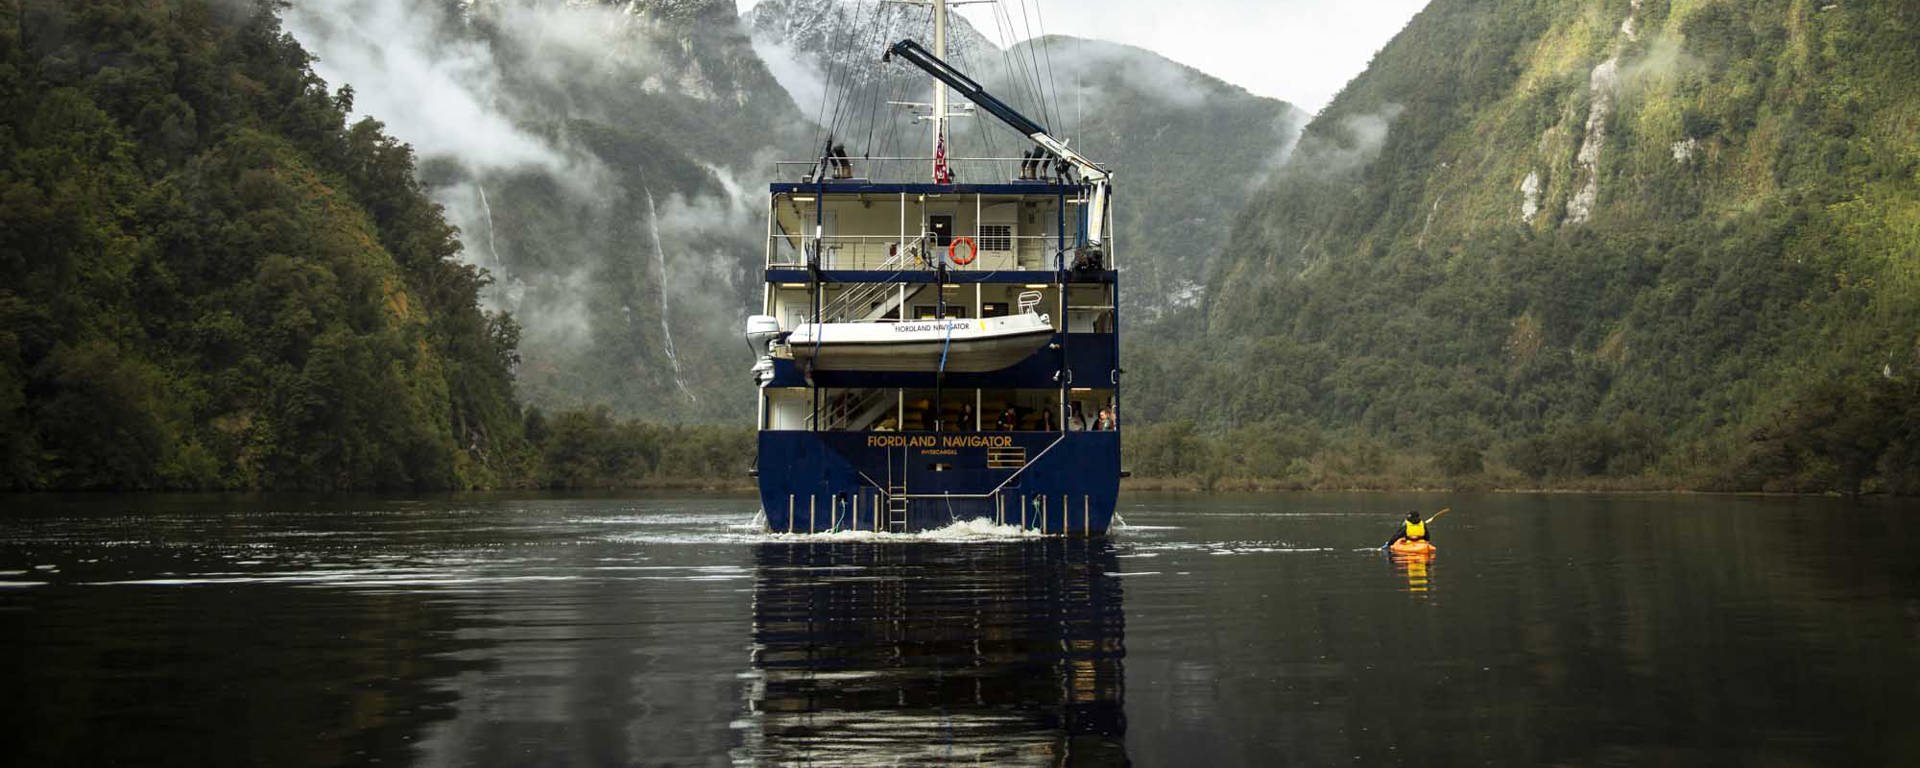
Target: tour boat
[938, 340]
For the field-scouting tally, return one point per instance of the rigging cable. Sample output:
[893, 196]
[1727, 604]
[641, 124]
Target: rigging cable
[1022, 83]
[1040, 98]
[841, 72]
[1046, 51]
[982, 132]
[869, 84]
[845, 92]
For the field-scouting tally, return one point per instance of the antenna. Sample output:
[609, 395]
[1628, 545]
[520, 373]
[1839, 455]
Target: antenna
[938, 110]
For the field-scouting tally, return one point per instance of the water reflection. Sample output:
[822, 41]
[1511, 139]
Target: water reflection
[1415, 567]
[888, 654]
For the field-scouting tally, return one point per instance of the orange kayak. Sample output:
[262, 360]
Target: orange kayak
[1405, 547]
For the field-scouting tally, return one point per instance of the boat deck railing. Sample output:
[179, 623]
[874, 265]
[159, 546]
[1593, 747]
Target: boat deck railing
[858, 238]
[915, 170]
[892, 252]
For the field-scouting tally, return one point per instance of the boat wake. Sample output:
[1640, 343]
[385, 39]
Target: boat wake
[978, 529]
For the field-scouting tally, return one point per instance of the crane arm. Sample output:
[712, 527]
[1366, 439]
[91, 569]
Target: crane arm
[1097, 178]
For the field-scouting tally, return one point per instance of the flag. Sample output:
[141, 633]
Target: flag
[940, 173]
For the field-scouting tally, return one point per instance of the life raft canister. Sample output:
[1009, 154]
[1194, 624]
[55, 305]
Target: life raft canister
[954, 247]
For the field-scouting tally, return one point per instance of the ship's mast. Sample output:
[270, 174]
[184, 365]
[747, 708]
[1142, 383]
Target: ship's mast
[937, 112]
[939, 88]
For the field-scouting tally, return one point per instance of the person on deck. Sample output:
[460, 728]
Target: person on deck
[1411, 530]
[1008, 420]
[842, 167]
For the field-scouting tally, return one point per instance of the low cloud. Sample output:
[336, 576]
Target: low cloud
[448, 97]
[1350, 144]
[795, 72]
[1074, 61]
[1664, 59]
[508, 105]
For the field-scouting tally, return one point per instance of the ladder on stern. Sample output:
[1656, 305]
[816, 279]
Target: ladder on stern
[897, 508]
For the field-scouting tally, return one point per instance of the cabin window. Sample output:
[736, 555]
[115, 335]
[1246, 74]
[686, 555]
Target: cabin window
[996, 237]
[926, 311]
[993, 309]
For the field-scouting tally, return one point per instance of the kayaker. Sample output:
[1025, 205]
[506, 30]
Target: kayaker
[1411, 530]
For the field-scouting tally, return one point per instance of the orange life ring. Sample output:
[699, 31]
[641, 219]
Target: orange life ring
[972, 251]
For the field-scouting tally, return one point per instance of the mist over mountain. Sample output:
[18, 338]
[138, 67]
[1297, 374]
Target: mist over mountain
[807, 43]
[596, 159]
[1561, 239]
[603, 160]
[1187, 149]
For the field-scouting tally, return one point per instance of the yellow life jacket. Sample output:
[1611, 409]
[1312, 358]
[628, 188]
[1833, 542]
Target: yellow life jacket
[1416, 530]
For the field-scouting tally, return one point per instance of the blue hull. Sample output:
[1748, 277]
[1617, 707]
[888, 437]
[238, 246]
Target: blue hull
[1063, 483]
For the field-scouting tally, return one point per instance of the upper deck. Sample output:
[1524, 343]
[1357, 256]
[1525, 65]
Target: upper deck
[1001, 220]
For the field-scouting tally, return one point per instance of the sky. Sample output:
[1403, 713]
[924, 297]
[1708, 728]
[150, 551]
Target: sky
[1301, 51]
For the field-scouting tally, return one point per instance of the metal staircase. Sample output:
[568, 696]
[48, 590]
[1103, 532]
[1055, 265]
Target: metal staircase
[867, 302]
[852, 410]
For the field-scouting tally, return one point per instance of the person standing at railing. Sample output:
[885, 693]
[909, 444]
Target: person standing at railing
[842, 167]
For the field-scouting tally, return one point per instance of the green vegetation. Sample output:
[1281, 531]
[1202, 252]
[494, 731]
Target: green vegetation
[592, 449]
[1187, 150]
[611, 222]
[1534, 244]
[209, 280]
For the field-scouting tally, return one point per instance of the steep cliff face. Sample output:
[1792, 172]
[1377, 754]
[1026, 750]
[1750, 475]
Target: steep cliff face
[1604, 238]
[594, 156]
[845, 37]
[1187, 149]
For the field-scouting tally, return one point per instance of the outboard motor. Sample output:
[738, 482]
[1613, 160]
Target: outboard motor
[762, 330]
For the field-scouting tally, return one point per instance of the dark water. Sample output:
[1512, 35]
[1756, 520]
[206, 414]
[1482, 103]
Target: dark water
[1549, 630]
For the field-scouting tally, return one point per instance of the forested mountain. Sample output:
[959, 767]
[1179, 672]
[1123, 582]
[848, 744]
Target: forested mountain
[1618, 239]
[1666, 244]
[1187, 149]
[209, 279]
[603, 162]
